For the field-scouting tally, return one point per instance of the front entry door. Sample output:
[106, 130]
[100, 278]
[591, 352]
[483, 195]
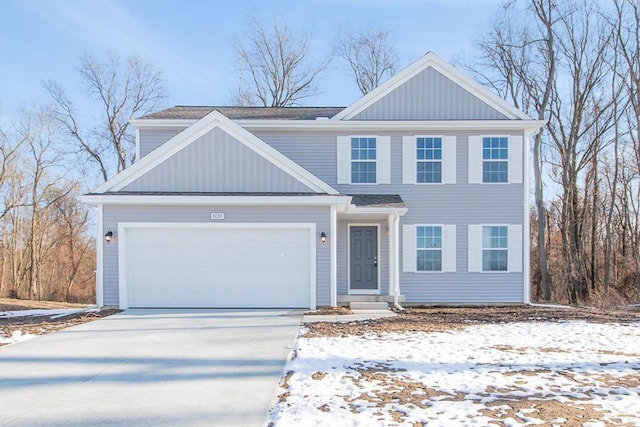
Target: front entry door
[363, 258]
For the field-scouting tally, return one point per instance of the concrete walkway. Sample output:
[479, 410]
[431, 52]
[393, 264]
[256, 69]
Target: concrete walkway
[150, 368]
[357, 315]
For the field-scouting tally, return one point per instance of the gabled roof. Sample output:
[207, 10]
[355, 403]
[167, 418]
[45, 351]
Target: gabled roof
[182, 112]
[431, 60]
[211, 121]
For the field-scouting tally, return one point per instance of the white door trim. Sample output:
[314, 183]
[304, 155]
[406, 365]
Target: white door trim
[362, 291]
[122, 239]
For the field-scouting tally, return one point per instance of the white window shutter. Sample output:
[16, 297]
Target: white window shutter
[383, 160]
[449, 248]
[475, 248]
[516, 148]
[409, 169]
[409, 262]
[449, 159]
[344, 160]
[515, 248]
[475, 160]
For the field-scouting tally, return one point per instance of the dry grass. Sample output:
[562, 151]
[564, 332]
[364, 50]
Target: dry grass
[11, 304]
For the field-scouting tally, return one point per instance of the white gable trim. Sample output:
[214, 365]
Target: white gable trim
[437, 63]
[211, 121]
[360, 126]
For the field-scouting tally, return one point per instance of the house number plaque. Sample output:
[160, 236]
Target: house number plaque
[217, 216]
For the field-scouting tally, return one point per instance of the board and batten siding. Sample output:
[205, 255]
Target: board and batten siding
[444, 100]
[113, 214]
[150, 139]
[459, 204]
[217, 162]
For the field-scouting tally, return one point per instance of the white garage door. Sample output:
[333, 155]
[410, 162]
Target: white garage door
[239, 266]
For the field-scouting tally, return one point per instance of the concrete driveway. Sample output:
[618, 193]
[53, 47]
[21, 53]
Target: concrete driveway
[150, 368]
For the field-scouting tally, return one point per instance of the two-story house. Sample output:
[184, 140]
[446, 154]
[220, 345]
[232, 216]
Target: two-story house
[416, 193]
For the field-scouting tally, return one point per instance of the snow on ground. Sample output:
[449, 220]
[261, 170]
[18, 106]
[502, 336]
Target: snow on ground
[16, 336]
[514, 374]
[41, 312]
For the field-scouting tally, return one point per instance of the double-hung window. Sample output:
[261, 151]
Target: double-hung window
[495, 159]
[429, 248]
[495, 248]
[429, 159]
[363, 160]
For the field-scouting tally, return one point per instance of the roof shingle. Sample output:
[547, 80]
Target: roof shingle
[183, 112]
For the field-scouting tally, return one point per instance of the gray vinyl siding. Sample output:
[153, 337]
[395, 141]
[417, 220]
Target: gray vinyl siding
[150, 139]
[460, 204]
[217, 162]
[429, 96]
[112, 215]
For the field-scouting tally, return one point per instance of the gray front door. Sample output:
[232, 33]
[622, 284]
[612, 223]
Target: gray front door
[363, 258]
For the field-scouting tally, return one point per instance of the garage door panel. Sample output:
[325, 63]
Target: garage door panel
[218, 267]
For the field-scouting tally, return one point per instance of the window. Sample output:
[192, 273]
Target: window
[363, 160]
[429, 248]
[429, 158]
[495, 248]
[495, 159]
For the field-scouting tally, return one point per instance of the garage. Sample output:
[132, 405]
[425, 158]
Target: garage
[217, 265]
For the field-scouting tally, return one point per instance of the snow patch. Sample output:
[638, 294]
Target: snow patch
[465, 377]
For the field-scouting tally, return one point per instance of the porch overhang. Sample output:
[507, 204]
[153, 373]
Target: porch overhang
[374, 206]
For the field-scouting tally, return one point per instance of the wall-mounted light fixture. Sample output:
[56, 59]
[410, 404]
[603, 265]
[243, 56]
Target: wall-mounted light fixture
[109, 236]
[323, 237]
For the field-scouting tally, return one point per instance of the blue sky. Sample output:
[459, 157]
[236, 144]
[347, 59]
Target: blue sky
[191, 40]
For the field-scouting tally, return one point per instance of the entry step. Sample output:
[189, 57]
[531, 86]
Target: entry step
[368, 305]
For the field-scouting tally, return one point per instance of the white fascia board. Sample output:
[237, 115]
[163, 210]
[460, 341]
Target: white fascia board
[197, 130]
[162, 123]
[431, 60]
[371, 125]
[394, 125]
[175, 200]
[354, 210]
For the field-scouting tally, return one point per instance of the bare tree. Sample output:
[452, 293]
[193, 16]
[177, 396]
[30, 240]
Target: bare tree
[275, 65]
[123, 89]
[523, 69]
[553, 60]
[371, 56]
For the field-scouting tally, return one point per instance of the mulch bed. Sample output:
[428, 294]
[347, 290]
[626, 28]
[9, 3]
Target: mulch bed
[38, 325]
[440, 319]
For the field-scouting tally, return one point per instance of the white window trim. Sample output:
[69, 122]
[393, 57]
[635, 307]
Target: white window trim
[410, 253]
[507, 160]
[514, 249]
[442, 163]
[382, 160]
[482, 248]
[515, 164]
[441, 249]
[410, 159]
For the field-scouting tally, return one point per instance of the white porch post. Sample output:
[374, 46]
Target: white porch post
[333, 247]
[99, 256]
[394, 256]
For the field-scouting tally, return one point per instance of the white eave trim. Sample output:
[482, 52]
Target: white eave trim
[373, 125]
[354, 210]
[201, 200]
[431, 60]
[197, 130]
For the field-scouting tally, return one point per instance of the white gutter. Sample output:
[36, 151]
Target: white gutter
[361, 125]
[191, 200]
